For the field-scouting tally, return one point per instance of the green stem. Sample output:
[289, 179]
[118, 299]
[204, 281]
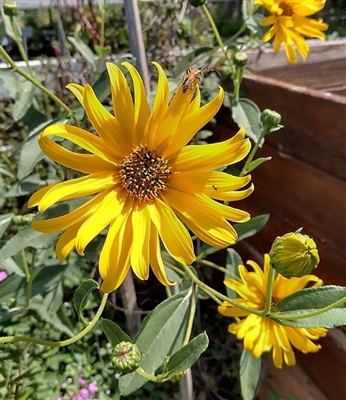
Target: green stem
[60, 343]
[208, 289]
[269, 292]
[244, 171]
[140, 371]
[191, 315]
[311, 314]
[218, 267]
[31, 79]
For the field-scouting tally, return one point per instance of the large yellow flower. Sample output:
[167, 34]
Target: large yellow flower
[146, 183]
[263, 334]
[290, 25]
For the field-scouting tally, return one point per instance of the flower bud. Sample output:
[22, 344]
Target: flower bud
[294, 254]
[270, 118]
[240, 59]
[197, 3]
[177, 377]
[126, 357]
[10, 9]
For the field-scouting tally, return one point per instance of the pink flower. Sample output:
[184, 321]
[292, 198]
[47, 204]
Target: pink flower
[81, 381]
[3, 275]
[92, 388]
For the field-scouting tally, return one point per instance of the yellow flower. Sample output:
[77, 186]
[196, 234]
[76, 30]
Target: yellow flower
[146, 184]
[262, 334]
[290, 25]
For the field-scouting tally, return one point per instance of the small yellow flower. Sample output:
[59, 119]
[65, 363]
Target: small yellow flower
[262, 334]
[145, 185]
[290, 25]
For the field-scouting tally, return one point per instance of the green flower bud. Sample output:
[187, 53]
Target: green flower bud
[177, 377]
[10, 9]
[126, 357]
[197, 3]
[270, 118]
[240, 59]
[294, 254]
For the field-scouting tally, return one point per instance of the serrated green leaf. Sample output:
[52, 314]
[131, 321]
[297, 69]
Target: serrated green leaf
[5, 221]
[81, 295]
[254, 164]
[114, 333]
[233, 260]
[186, 356]
[312, 298]
[249, 374]
[27, 237]
[246, 113]
[84, 50]
[251, 227]
[161, 334]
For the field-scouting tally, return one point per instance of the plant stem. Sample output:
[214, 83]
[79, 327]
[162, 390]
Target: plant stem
[191, 315]
[140, 371]
[269, 292]
[31, 79]
[208, 289]
[218, 267]
[60, 343]
[244, 171]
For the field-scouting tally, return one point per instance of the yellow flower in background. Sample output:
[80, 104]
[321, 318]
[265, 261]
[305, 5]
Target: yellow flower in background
[290, 25]
[146, 183]
[262, 334]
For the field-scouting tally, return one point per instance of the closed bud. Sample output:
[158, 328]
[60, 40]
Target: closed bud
[126, 357]
[10, 9]
[294, 254]
[270, 118]
[240, 59]
[177, 377]
[197, 3]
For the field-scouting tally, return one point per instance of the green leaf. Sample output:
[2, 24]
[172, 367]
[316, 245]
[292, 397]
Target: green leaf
[9, 287]
[312, 300]
[84, 50]
[103, 51]
[114, 333]
[192, 59]
[5, 221]
[186, 356]
[6, 314]
[162, 333]
[31, 152]
[102, 87]
[251, 227]
[29, 185]
[246, 113]
[81, 295]
[27, 237]
[249, 373]
[26, 94]
[254, 164]
[8, 26]
[233, 260]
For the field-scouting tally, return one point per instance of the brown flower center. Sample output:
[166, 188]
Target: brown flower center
[287, 9]
[144, 174]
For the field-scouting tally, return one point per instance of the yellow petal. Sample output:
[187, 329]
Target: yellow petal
[174, 235]
[108, 210]
[122, 101]
[114, 260]
[80, 137]
[86, 163]
[140, 242]
[192, 123]
[66, 242]
[76, 188]
[156, 257]
[77, 90]
[213, 156]
[141, 104]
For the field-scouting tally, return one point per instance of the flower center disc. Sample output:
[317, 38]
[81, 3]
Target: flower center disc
[287, 10]
[144, 174]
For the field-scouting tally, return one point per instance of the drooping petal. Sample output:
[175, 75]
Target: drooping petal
[107, 211]
[173, 234]
[67, 241]
[140, 245]
[76, 188]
